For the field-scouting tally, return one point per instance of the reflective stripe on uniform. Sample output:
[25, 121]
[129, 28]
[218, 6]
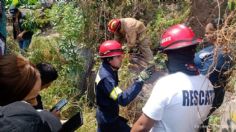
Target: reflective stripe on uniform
[115, 93]
[233, 116]
[98, 79]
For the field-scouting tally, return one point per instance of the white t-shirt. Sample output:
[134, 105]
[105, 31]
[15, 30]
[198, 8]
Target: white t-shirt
[179, 103]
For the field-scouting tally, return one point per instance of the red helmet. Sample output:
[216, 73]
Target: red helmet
[113, 25]
[178, 36]
[110, 48]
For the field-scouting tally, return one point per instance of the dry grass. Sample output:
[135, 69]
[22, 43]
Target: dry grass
[226, 38]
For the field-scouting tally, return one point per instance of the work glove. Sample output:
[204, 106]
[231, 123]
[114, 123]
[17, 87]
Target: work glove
[146, 73]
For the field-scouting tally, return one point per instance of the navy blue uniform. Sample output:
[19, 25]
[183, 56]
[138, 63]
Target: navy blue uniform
[109, 96]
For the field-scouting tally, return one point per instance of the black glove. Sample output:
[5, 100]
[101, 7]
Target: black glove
[146, 73]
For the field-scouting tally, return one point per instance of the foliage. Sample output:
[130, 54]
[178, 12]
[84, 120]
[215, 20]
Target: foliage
[29, 23]
[68, 21]
[168, 15]
[61, 49]
[83, 24]
[214, 123]
[231, 4]
[11, 46]
[88, 118]
[25, 3]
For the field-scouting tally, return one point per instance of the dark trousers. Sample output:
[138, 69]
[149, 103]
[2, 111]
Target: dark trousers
[217, 101]
[120, 125]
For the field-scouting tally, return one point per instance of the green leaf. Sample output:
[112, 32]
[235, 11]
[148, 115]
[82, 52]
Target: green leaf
[231, 4]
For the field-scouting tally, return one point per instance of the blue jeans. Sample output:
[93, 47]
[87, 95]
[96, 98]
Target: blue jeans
[24, 44]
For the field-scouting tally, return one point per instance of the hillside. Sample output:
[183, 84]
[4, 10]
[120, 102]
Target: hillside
[67, 34]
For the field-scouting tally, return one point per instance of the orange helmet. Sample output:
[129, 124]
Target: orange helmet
[113, 25]
[110, 48]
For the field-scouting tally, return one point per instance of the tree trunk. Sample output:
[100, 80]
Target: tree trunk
[91, 88]
[89, 62]
[203, 11]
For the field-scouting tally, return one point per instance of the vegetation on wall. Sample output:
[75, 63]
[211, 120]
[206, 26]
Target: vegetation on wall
[68, 34]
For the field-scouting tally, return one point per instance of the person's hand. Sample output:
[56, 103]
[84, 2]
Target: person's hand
[146, 73]
[56, 113]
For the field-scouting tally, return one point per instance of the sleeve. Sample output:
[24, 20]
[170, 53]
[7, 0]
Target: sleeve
[131, 37]
[128, 95]
[50, 120]
[203, 60]
[117, 37]
[157, 102]
[122, 97]
[223, 61]
[197, 60]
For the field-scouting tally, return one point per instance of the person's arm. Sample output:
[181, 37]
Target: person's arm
[20, 35]
[129, 94]
[50, 120]
[122, 97]
[133, 30]
[143, 124]
[153, 109]
[131, 37]
[118, 37]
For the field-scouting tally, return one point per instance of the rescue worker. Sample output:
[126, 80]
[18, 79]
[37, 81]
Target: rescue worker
[181, 100]
[3, 31]
[108, 94]
[213, 62]
[134, 32]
